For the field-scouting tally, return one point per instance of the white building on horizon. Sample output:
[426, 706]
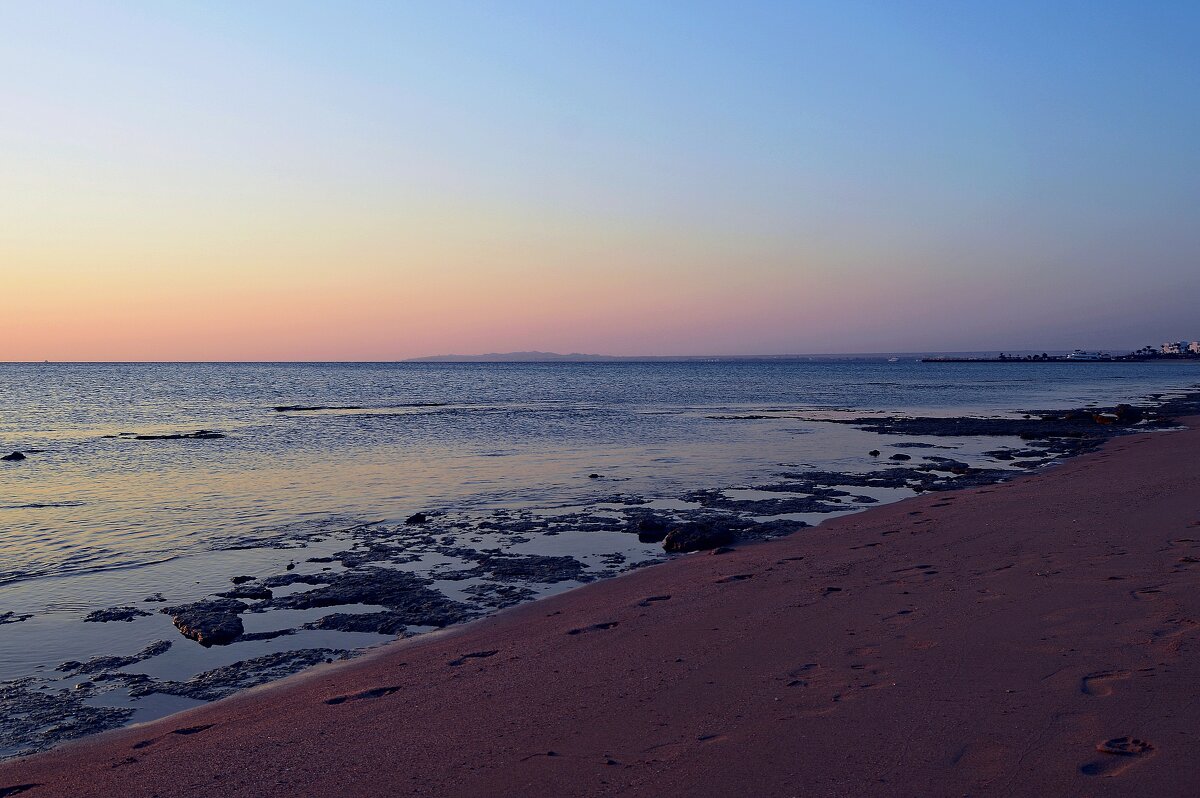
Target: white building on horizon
[1194, 348]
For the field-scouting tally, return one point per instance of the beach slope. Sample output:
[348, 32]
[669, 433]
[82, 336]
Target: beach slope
[1032, 638]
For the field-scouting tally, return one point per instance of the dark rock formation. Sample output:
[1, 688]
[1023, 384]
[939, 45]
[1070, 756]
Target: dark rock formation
[697, 536]
[115, 614]
[101, 664]
[35, 720]
[198, 435]
[14, 457]
[650, 528]
[252, 592]
[409, 599]
[221, 682]
[210, 623]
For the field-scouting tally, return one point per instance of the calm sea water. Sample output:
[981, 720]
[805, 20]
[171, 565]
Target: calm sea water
[431, 435]
[95, 519]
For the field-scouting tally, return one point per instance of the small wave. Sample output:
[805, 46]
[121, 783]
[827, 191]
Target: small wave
[350, 408]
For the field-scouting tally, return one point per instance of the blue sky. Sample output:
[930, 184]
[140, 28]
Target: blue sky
[626, 177]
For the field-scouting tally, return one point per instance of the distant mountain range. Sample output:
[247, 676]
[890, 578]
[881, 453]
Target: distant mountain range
[577, 357]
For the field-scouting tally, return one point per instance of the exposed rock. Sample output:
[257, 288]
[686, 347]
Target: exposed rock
[12, 617]
[115, 614]
[14, 457]
[210, 623]
[386, 622]
[100, 664]
[283, 580]
[198, 435]
[697, 536]
[417, 518]
[716, 499]
[899, 456]
[650, 528]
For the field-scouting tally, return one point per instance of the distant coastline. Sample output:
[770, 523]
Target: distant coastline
[1055, 356]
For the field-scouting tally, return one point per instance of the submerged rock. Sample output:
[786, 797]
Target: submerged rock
[224, 681]
[502, 566]
[35, 720]
[409, 599]
[715, 499]
[12, 617]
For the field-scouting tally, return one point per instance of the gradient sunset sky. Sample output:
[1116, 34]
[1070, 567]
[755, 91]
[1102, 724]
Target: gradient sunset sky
[374, 181]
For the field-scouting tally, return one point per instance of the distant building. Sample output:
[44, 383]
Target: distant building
[1174, 348]
[1194, 347]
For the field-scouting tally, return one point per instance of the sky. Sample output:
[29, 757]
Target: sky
[376, 181]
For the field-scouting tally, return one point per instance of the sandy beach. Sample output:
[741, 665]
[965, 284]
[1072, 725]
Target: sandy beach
[1031, 638]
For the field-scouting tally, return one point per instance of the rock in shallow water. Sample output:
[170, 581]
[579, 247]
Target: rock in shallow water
[35, 720]
[14, 457]
[209, 623]
[697, 537]
[224, 681]
[115, 614]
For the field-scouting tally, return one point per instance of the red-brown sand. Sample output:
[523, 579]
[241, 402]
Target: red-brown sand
[1033, 638]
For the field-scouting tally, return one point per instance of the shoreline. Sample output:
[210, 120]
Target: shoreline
[803, 664]
[326, 599]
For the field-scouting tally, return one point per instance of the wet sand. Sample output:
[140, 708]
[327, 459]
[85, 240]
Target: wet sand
[1037, 637]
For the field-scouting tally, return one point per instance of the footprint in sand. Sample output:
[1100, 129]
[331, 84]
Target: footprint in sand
[377, 692]
[193, 729]
[16, 789]
[596, 627]
[454, 663]
[1101, 682]
[1120, 754]
[1174, 627]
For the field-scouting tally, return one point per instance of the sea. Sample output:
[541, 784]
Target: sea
[119, 503]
